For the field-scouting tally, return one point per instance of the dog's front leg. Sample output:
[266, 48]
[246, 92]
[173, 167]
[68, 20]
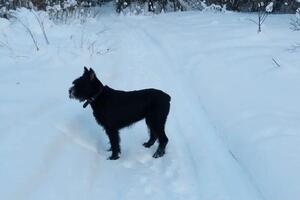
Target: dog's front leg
[114, 140]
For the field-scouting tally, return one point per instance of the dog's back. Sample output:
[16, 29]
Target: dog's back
[122, 108]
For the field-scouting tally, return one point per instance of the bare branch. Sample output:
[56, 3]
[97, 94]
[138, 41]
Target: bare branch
[264, 17]
[251, 20]
[276, 63]
[29, 31]
[41, 23]
[295, 24]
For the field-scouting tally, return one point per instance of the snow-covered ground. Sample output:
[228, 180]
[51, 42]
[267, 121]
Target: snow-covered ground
[234, 126]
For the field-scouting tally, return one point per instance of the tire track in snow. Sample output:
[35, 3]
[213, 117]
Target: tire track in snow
[242, 167]
[248, 186]
[36, 179]
[185, 155]
[163, 172]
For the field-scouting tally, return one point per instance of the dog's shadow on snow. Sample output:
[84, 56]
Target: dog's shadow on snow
[79, 127]
[82, 130]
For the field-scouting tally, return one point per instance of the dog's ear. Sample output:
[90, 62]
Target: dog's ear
[85, 70]
[92, 74]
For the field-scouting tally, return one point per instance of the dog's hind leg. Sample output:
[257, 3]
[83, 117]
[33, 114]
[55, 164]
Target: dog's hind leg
[163, 141]
[159, 118]
[152, 138]
[156, 126]
[114, 140]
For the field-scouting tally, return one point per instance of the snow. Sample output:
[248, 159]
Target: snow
[234, 122]
[270, 7]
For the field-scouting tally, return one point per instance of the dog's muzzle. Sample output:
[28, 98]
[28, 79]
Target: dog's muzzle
[71, 93]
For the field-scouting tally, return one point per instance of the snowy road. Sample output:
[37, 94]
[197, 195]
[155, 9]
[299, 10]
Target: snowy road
[214, 171]
[53, 149]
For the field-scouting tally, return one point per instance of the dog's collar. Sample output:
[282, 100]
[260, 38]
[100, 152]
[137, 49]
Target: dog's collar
[93, 98]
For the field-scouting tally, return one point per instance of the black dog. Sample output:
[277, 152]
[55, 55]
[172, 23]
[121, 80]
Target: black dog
[115, 109]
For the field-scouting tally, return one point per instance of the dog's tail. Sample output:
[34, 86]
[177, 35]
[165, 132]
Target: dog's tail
[168, 97]
[163, 96]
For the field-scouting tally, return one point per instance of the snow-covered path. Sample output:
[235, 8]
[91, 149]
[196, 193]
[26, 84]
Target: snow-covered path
[53, 149]
[214, 170]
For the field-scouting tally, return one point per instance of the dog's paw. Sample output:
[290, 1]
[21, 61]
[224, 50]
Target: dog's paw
[158, 153]
[147, 145]
[114, 157]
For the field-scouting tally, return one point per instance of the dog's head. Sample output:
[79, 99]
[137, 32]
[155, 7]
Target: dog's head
[86, 86]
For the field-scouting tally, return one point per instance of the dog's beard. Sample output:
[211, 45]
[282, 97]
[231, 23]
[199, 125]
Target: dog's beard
[81, 100]
[73, 96]
[71, 93]
[77, 98]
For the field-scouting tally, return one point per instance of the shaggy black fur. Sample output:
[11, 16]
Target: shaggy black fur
[114, 109]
